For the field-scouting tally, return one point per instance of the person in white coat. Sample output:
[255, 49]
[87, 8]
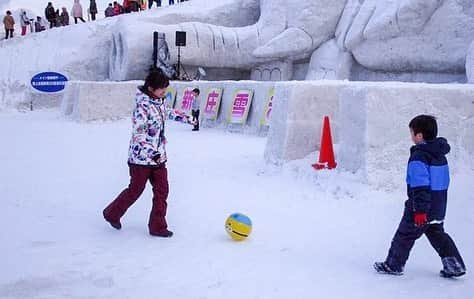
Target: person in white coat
[24, 22]
[77, 11]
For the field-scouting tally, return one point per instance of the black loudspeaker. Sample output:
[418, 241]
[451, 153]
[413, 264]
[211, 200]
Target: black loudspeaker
[180, 38]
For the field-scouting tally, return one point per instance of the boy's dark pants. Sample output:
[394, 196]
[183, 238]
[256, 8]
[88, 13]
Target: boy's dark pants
[406, 235]
[195, 115]
[139, 175]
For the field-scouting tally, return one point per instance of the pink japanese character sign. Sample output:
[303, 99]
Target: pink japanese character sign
[265, 121]
[213, 102]
[186, 99]
[240, 106]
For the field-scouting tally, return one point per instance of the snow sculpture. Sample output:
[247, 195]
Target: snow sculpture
[286, 31]
[470, 64]
[164, 56]
[83, 51]
[270, 39]
[408, 35]
[330, 63]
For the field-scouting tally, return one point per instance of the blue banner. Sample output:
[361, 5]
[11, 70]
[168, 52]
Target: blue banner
[49, 82]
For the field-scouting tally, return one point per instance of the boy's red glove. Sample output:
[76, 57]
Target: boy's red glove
[420, 219]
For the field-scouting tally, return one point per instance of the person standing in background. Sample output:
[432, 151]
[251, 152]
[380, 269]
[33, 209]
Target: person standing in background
[109, 11]
[64, 17]
[50, 14]
[195, 108]
[117, 9]
[93, 9]
[134, 5]
[9, 23]
[39, 25]
[143, 4]
[77, 11]
[150, 3]
[57, 19]
[24, 22]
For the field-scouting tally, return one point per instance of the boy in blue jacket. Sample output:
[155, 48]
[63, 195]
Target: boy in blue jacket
[427, 188]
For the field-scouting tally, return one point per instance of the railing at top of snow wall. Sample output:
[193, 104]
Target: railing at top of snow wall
[90, 101]
[369, 122]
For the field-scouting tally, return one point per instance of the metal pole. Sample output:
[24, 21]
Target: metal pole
[179, 62]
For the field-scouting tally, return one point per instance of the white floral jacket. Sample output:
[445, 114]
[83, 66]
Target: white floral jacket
[147, 145]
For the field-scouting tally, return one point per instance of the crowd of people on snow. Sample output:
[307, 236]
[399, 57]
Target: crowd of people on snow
[54, 17]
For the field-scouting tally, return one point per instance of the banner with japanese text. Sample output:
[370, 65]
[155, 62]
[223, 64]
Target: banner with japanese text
[170, 97]
[213, 102]
[186, 100]
[240, 106]
[265, 121]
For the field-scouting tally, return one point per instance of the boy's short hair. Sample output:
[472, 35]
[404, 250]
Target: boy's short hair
[196, 90]
[156, 79]
[426, 125]
[9, 12]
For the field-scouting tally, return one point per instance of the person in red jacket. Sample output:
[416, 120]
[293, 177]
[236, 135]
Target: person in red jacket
[118, 9]
[126, 6]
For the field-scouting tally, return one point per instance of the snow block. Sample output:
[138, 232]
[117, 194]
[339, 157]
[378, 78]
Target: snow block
[369, 122]
[90, 101]
[297, 119]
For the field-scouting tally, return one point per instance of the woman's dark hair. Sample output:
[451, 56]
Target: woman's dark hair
[155, 80]
[196, 90]
[426, 125]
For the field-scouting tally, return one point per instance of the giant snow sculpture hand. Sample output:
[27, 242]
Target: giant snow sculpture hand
[408, 35]
[286, 30]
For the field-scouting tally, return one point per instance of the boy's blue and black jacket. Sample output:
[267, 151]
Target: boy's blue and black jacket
[428, 178]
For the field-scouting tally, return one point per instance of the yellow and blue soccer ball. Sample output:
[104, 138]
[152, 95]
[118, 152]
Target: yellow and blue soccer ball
[238, 226]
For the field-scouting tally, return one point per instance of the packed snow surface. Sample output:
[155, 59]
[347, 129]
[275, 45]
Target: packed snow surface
[315, 234]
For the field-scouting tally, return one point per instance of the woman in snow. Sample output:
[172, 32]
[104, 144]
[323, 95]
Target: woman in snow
[24, 22]
[147, 157]
[77, 11]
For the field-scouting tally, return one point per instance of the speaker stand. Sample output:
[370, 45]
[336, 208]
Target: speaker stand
[179, 66]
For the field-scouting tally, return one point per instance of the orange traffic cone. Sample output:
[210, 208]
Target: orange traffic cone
[326, 154]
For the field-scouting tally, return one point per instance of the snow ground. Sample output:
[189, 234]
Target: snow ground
[315, 234]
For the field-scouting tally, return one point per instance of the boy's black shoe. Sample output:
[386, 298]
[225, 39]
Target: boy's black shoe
[383, 268]
[195, 129]
[452, 268]
[115, 224]
[445, 274]
[164, 234]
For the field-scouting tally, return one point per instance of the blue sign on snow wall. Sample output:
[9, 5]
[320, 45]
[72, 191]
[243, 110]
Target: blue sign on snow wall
[49, 82]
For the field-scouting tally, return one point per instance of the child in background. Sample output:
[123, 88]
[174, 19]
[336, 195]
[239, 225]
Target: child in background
[195, 108]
